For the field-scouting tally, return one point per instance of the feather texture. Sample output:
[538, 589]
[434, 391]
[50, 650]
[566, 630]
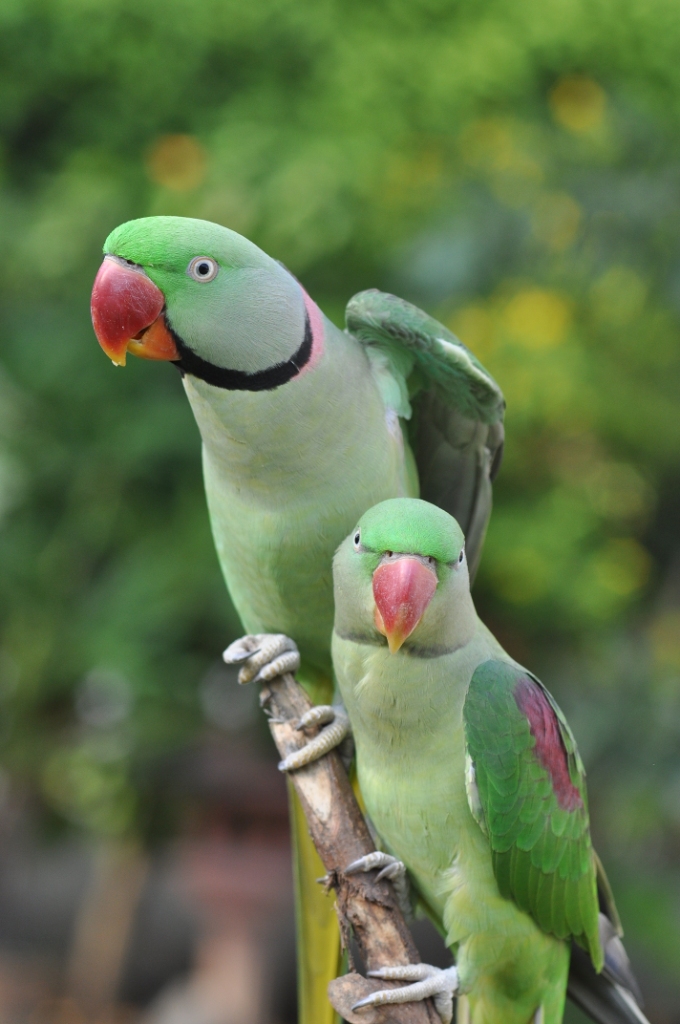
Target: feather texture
[455, 406]
[532, 792]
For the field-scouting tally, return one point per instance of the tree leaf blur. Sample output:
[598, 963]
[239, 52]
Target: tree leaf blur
[514, 168]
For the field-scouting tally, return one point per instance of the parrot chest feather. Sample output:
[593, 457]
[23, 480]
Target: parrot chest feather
[288, 473]
[406, 714]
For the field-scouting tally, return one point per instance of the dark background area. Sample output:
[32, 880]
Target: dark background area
[514, 168]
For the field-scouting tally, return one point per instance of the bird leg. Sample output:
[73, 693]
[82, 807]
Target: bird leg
[390, 868]
[441, 985]
[262, 657]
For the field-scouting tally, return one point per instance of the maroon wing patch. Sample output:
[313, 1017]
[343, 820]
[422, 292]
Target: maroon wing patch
[549, 748]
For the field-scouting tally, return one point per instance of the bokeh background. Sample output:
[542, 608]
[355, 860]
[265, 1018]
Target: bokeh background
[514, 168]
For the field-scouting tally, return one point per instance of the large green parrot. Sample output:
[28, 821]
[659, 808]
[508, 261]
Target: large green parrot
[304, 427]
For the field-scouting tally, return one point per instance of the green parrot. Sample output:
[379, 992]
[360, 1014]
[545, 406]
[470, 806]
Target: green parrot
[304, 427]
[472, 780]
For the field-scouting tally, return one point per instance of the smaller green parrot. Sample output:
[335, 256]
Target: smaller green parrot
[472, 780]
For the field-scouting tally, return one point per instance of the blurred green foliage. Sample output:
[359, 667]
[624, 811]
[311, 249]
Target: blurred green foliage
[514, 167]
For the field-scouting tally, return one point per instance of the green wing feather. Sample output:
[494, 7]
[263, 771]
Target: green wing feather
[531, 801]
[455, 407]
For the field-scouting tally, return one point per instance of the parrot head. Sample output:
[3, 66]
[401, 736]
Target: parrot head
[205, 298]
[402, 572]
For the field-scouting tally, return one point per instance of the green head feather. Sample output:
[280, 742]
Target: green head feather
[169, 243]
[412, 526]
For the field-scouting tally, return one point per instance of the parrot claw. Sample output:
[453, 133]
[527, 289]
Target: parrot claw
[321, 714]
[262, 657]
[335, 731]
[234, 656]
[428, 981]
[390, 868]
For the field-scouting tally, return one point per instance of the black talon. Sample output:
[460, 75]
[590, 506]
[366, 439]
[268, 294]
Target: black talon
[241, 658]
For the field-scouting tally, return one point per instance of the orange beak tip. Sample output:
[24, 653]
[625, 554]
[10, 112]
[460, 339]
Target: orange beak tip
[394, 638]
[394, 643]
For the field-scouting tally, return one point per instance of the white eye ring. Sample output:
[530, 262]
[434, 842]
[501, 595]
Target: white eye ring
[461, 556]
[203, 268]
[357, 540]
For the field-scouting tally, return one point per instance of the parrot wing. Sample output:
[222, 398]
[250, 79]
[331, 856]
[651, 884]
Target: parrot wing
[455, 407]
[526, 788]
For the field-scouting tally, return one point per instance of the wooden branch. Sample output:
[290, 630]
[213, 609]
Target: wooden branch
[340, 834]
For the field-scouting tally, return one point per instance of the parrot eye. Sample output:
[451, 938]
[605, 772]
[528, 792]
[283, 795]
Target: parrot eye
[461, 556]
[357, 539]
[203, 268]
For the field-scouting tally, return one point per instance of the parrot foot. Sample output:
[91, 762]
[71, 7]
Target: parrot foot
[262, 656]
[336, 730]
[390, 868]
[441, 985]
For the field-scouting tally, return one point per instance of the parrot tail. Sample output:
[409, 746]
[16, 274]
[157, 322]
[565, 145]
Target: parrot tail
[600, 995]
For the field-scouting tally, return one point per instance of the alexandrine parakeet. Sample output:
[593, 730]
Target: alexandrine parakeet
[472, 780]
[304, 427]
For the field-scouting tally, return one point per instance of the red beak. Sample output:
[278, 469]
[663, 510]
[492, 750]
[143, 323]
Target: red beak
[402, 589]
[127, 314]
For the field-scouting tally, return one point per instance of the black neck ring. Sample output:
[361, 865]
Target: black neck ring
[239, 380]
